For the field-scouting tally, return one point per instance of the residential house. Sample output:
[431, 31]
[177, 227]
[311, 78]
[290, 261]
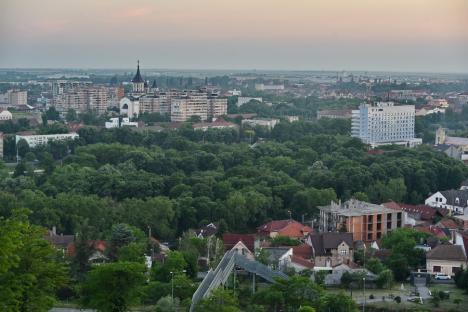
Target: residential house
[464, 185]
[98, 251]
[278, 257]
[60, 242]
[445, 259]
[455, 201]
[230, 240]
[289, 228]
[242, 249]
[206, 231]
[330, 249]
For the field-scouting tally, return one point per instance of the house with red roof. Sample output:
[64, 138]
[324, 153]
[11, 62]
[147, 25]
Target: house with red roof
[230, 240]
[289, 228]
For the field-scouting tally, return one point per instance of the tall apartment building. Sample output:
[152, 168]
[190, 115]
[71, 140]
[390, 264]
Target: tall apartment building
[217, 106]
[193, 103]
[368, 222]
[155, 103]
[17, 98]
[384, 123]
[82, 99]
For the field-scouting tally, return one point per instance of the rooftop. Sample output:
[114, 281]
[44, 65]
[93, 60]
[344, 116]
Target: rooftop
[355, 208]
[447, 252]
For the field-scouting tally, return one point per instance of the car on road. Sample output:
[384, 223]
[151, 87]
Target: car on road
[440, 276]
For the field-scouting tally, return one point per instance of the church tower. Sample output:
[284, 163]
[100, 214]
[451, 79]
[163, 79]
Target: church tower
[137, 82]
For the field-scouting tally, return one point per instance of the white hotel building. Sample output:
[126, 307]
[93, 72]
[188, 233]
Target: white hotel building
[384, 123]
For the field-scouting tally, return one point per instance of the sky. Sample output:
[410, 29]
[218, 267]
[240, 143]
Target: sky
[387, 35]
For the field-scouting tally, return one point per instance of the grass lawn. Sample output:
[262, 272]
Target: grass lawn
[378, 293]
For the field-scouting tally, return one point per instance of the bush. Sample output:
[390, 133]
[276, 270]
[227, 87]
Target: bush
[397, 299]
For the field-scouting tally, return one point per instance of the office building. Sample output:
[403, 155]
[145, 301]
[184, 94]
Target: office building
[367, 222]
[384, 123]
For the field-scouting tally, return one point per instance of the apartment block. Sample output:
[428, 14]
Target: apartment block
[82, 99]
[367, 222]
[17, 98]
[189, 104]
[384, 123]
[35, 140]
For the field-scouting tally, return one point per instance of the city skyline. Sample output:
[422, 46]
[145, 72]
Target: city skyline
[401, 36]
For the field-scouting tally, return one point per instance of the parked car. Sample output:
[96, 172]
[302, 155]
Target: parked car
[440, 276]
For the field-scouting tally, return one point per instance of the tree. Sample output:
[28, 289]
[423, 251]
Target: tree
[113, 287]
[385, 279]
[220, 300]
[30, 269]
[337, 303]
[71, 115]
[166, 304]
[52, 114]
[22, 148]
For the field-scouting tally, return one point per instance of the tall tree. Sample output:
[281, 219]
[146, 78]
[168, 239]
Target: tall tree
[113, 287]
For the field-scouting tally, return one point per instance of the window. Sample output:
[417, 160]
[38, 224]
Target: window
[436, 268]
[343, 252]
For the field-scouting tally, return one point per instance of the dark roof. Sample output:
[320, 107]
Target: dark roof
[138, 78]
[446, 252]
[230, 240]
[323, 241]
[453, 195]
[207, 230]
[154, 85]
[464, 183]
[60, 241]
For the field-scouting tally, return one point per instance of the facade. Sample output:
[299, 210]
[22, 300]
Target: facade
[17, 98]
[445, 259]
[367, 222]
[268, 87]
[456, 201]
[217, 106]
[83, 99]
[455, 147]
[334, 113]
[116, 123]
[331, 249]
[1, 145]
[268, 123]
[191, 104]
[35, 140]
[384, 123]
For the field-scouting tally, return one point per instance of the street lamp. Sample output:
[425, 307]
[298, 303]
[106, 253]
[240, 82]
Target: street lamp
[364, 292]
[172, 285]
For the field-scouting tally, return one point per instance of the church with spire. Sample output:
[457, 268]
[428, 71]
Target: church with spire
[178, 105]
[138, 84]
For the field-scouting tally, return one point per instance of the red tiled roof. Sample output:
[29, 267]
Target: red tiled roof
[426, 212]
[288, 228]
[230, 240]
[301, 261]
[99, 245]
[438, 232]
[303, 251]
[448, 224]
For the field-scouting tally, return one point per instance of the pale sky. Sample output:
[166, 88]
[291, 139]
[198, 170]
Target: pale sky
[396, 35]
